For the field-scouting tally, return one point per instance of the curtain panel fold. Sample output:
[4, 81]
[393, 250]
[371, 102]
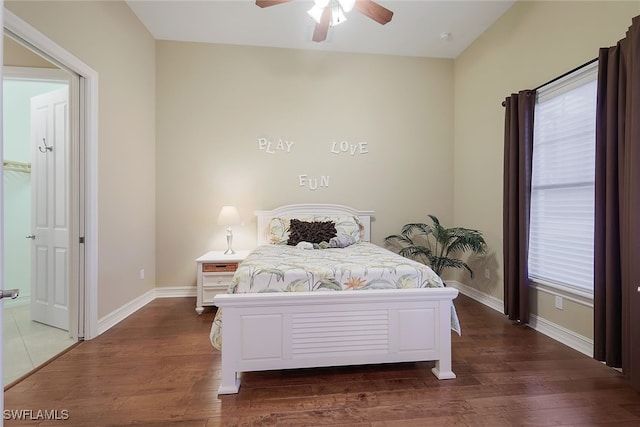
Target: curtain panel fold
[518, 156]
[617, 212]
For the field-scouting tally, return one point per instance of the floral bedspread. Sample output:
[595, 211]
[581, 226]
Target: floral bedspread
[361, 266]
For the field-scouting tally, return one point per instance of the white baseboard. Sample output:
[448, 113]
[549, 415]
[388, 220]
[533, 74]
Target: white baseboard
[567, 337]
[563, 335]
[176, 292]
[107, 322]
[473, 293]
[116, 316]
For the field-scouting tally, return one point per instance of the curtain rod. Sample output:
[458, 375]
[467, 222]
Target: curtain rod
[560, 76]
[566, 74]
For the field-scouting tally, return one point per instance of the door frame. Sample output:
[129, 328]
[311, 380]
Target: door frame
[85, 129]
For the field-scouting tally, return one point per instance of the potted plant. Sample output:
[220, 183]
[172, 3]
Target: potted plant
[434, 244]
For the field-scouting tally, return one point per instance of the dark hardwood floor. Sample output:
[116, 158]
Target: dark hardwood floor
[157, 368]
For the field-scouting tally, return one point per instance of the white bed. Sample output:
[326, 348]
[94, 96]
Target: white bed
[285, 330]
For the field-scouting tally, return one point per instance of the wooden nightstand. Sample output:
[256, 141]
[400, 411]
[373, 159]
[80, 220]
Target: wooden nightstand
[215, 271]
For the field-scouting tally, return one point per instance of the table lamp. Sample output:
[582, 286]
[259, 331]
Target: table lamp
[229, 216]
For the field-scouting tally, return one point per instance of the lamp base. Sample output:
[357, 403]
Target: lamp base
[229, 251]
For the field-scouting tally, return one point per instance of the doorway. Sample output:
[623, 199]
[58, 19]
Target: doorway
[36, 213]
[84, 130]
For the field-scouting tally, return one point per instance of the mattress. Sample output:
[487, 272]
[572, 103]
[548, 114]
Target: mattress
[360, 266]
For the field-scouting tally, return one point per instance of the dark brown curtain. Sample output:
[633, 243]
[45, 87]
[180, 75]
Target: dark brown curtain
[617, 212]
[518, 152]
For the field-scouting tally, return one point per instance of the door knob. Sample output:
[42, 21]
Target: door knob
[9, 293]
[31, 236]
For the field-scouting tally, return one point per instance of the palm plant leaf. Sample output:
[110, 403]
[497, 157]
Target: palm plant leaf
[416, 251]
[446, 262]
[464, 239]
[440, 233]
[398, 239]
[419, 227]
[447, 240]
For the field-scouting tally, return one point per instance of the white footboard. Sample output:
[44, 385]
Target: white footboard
[287, 330]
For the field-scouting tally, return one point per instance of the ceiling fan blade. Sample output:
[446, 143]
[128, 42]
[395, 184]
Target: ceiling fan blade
[373, 10]
[267, 3]
[322, 27]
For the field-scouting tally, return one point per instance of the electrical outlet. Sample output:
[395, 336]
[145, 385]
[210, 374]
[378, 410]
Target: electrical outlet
[559, 302]
[487, 273]
[142, 274]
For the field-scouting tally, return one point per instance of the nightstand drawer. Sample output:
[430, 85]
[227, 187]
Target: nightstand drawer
[217, 280]
[223, 267]
[209, 293]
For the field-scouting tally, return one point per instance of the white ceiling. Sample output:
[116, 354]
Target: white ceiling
[415, 29]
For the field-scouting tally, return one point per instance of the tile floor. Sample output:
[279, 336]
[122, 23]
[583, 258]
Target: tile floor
[28, 344]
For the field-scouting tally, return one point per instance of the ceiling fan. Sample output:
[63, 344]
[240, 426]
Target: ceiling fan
[328, 13]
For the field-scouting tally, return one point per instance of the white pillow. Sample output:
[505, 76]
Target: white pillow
[348, 228]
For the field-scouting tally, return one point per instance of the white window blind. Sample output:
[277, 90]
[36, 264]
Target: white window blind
[562, 190]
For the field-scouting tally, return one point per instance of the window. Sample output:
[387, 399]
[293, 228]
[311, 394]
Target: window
[562, 184]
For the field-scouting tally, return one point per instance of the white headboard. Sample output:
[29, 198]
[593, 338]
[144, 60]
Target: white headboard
[306, 209]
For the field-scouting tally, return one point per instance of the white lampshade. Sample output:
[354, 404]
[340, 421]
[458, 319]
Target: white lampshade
[229, 216]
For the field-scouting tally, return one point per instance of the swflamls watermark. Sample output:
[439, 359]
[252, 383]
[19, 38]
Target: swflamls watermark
[36, 414]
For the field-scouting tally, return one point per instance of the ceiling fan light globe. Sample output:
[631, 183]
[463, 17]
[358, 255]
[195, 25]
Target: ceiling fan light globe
[316, 13]
[347, 5]
[322, 3]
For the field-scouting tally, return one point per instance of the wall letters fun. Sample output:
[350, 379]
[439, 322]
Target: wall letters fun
[312, 183]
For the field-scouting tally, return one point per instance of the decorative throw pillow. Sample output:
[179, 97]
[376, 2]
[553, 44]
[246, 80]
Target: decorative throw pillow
[278, 231]
[348, 230]
[312, 232]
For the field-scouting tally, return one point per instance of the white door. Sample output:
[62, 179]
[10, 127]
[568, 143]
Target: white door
[50, 230]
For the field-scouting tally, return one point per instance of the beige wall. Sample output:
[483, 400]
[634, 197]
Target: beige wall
[109, 38]
[215, 101]
[532, 43]
[17, 55]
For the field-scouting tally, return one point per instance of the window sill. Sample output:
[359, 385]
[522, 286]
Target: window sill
[579, 297]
